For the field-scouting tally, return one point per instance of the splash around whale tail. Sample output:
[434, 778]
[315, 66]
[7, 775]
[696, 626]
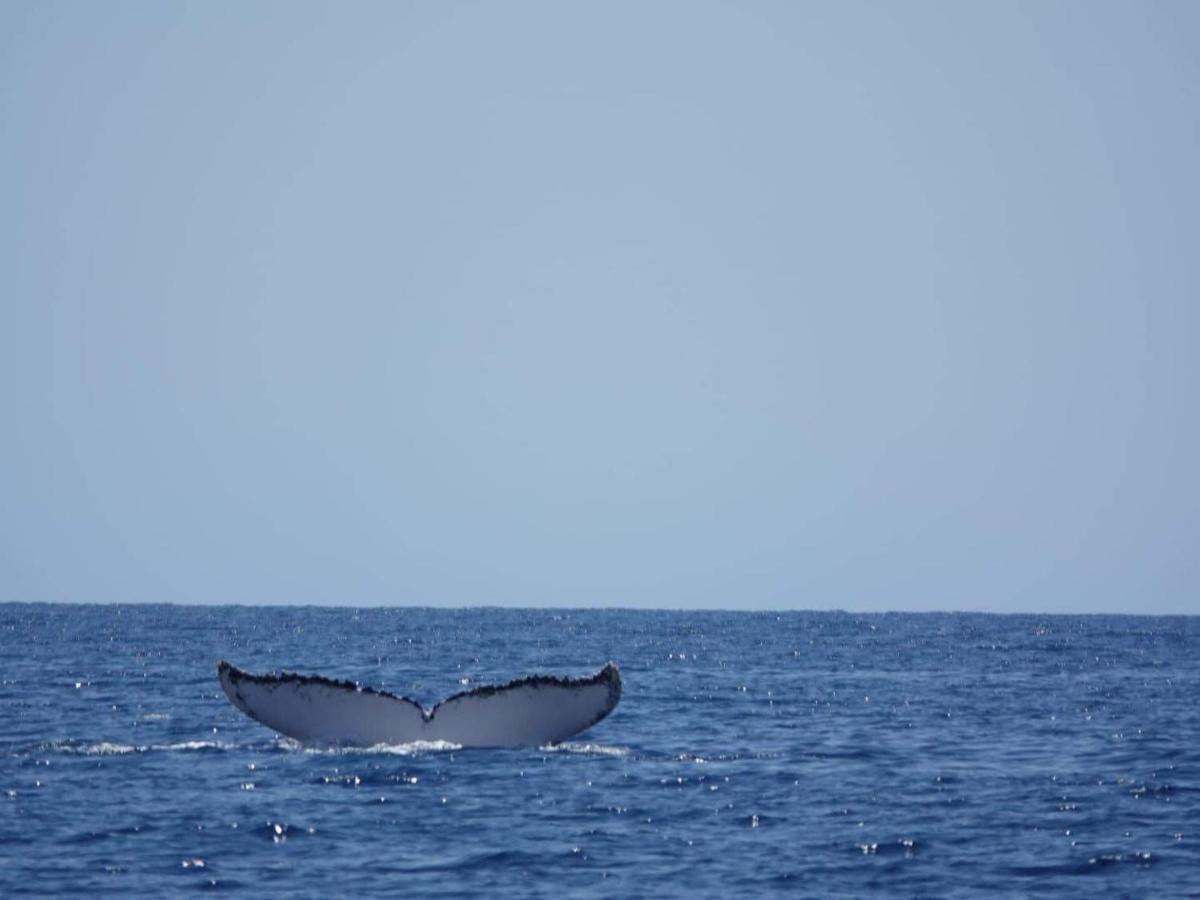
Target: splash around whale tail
[532, 711]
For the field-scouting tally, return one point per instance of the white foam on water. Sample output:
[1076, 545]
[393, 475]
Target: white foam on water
[103, 748]
[193, 745]
[406, 749]
[588, 749]
[111, 748]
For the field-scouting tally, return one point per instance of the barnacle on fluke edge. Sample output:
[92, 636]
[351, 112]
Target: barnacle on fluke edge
[535, 710]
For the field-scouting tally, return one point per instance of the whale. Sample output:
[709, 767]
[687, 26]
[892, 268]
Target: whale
[533, 711]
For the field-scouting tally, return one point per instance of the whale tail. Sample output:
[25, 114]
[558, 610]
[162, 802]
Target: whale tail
[536, 710]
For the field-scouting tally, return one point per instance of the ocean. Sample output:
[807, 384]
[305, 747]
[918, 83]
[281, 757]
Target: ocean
[818, 754]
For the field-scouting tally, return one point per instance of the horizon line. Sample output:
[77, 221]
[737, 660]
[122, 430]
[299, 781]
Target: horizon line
[603, 608]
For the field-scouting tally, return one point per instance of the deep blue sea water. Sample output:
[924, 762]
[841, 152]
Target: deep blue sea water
[816, 754]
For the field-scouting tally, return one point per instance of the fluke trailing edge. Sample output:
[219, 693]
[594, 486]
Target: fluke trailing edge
[539, 709]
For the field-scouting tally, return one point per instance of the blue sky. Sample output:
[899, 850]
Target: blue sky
[790, 305]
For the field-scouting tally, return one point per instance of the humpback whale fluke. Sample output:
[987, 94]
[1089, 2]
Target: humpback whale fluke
[539, 709]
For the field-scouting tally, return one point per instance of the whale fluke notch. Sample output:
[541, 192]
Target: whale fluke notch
[531, 711]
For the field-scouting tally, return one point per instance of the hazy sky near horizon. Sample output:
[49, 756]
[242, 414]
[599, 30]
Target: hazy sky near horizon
[855, 305]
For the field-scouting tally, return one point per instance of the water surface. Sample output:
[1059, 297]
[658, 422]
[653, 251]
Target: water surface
[806, 753]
